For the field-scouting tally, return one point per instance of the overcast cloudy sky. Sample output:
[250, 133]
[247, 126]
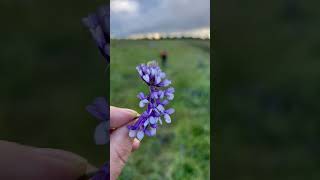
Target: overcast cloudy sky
[131, 17]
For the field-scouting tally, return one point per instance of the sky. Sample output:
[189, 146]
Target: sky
[135, 18]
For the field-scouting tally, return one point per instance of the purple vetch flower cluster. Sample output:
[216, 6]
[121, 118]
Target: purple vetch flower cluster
[154, 102]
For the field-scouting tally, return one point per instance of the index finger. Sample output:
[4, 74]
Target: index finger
[121, 116]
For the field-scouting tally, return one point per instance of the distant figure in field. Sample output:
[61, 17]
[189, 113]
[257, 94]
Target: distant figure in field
[164, 57]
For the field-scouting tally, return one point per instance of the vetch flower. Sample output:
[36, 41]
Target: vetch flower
[103, 173]
[169, 93]
[99, 27]
[143, 102]
[100, 110]
[167, 114]
[155, 102]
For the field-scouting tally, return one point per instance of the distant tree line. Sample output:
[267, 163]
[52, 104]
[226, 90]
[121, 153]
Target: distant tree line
[173, 38]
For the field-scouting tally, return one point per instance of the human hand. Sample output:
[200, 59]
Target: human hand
[29, 163]
[121, 145]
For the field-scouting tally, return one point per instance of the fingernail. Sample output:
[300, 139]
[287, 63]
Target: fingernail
[133, 112]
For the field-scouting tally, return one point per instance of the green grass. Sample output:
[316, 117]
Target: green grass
[180, 150]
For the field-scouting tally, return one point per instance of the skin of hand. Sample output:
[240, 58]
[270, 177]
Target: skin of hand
[121, 145]
[30, 163]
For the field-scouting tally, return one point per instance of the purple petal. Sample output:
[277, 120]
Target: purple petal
[152, 71]
[151, 132]
[165, 83]
[99, 109]
[165, 102]
[140, 135]
[103, 173]
[141, 96]
[147, 71]
[139, 70]
[100, 134]
[156, 111]
[167, 118]
[132, 133]
[170, 90]
[162, 75]
[161, 94]
[154, 95]
[169, 111]
[146, 123]
[153, 125]
[143, 102]
[152, 120]
[158, 80]
[160, 108]
[149, 111]
[101, 104]
[170, 96]
[146, 78]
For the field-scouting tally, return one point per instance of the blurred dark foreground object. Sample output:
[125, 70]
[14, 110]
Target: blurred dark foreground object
[99, 27]
[26, 162]
[267, 90]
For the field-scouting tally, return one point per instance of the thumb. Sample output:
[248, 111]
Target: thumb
[121, 146]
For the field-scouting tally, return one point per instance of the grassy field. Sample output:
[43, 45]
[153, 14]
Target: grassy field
[180, 150]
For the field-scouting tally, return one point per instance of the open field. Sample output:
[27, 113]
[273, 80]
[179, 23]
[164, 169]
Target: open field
[179, 150]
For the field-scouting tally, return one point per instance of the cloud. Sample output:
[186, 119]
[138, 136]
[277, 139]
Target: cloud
[121, 6]
[129, 17]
